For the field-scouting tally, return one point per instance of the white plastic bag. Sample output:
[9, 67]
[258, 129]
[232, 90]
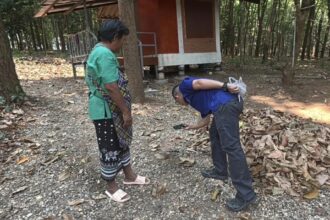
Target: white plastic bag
[240, 84]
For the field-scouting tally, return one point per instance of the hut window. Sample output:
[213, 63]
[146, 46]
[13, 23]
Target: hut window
[199, 18]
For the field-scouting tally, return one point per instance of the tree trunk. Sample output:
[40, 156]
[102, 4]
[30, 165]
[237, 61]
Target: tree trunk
[32, 36]
[242, 31]
[318, 38]
[261, 14]
[230, 29]
[132, 63]
[275, 28]
[44, 36]
[20, 41]
[38, 40]
[310, 34]
[12, 40]
[307, 30]
[281, 33]
[61, 34]
[270, 28]
[246, 27]
[9, 83]
[288, 75]
[55, 33]
[325, 41]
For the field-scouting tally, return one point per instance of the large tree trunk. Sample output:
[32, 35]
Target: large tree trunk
[133, 67]
[9, 83]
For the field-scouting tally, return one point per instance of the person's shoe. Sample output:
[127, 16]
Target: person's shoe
[212, 173]
[237, 204]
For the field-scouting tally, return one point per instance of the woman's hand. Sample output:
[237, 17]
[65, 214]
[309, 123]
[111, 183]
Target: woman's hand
[128, 121]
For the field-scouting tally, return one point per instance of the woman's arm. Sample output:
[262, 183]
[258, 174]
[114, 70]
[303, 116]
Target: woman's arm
[118, 99]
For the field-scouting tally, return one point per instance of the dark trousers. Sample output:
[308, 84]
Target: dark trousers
[225, 144]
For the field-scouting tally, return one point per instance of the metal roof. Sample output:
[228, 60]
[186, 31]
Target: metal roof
[68, 6]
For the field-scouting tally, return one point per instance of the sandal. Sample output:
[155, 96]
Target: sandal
[118, 196]
[140, 180]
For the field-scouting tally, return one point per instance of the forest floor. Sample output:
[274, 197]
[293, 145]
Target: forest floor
[49, 157]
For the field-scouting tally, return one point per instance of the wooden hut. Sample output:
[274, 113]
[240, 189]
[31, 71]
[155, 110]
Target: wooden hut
[175, 32]
[170, 32]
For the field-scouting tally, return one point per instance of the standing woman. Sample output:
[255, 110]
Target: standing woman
[110, 109]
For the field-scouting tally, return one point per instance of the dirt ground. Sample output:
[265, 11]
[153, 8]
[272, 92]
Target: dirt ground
[60, 179]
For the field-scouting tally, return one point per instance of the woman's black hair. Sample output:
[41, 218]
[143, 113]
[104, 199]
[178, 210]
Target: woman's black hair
[112, 29]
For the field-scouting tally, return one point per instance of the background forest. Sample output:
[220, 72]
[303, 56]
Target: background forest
[264, 30]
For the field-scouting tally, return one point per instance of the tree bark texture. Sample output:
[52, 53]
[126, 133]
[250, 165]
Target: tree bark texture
[132, 62]
[9, 83]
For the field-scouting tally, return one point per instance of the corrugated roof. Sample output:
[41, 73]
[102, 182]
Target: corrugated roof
[67, 6]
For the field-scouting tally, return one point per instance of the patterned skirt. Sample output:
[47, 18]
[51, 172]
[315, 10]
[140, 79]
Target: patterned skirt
[113, 156]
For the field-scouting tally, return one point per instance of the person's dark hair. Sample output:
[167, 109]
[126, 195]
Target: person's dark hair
[175, 90]
[112, 29]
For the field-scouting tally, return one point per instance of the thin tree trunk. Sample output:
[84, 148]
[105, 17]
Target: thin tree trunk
[307, 30]
[270, 27]
[12, 40]
[261, 14]
[132, 63]
[20, 41]
[318, 38]
[61, 34]
[9, 83]
[230, 29]
[288, 75]
[44, 35]
[244, 21]
[33, 38]
[38, 40]
[325, 41]
[275, 29]
[55, 33]
[310, 34]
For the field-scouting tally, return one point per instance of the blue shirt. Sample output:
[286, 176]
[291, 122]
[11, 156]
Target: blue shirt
[204, 101]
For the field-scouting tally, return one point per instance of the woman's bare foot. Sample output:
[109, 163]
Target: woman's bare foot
[113, 187]
[130, 176]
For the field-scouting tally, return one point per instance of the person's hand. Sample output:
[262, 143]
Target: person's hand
[128, 121]
[190, 127]
[232, 88]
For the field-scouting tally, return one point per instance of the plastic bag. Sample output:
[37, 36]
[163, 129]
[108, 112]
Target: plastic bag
[240, 84]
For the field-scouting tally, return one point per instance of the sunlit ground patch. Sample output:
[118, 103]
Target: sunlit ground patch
[318, 112]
